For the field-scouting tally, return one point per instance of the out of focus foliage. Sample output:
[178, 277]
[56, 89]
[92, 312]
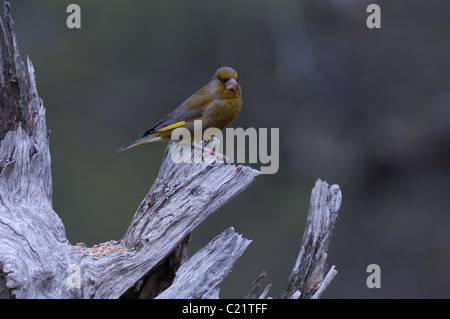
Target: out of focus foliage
[366, 109]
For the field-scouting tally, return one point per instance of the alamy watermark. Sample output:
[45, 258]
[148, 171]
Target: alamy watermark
[73, 21]
[236, 146]
[74, 279]
[374, 279]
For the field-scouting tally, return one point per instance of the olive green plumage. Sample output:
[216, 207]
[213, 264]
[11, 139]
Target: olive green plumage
[216, 105]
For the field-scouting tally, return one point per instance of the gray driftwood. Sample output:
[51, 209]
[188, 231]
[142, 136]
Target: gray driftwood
[200, 277]
[37, 260]
[308, 279]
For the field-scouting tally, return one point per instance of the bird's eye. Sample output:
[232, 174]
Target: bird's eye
[221, 79]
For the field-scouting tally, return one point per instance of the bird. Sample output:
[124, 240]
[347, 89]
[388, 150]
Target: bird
[216, 104]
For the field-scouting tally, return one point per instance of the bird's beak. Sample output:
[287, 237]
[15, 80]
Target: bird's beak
[231, 84]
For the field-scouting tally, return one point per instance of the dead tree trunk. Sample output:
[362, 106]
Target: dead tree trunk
[37, 260]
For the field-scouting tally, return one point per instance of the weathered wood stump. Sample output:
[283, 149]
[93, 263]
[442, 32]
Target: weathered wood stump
[37, 260]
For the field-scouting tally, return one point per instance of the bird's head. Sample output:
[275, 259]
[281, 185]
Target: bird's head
[224, 84]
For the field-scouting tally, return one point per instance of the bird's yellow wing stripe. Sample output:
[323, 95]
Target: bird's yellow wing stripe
[177, 124]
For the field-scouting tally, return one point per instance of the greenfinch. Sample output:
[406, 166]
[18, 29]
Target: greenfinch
[216, 105]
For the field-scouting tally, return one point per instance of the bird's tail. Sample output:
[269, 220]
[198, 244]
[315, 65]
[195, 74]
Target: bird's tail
[143, 140]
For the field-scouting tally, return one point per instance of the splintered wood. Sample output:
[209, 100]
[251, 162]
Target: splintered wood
[101, 249]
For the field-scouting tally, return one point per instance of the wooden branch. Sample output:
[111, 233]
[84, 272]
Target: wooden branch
[251, 292]
[307, 277]
[200, 277]
[37, 260]
[182, 196]
[161, 277]
[325, 282]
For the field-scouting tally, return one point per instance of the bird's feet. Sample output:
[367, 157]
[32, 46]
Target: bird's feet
[208, 151]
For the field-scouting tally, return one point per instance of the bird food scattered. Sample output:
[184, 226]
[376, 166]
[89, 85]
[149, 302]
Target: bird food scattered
[101, 249]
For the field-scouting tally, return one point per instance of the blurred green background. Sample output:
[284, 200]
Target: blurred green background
[366, 109]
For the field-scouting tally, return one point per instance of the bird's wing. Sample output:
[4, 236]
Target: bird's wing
[188, 111]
